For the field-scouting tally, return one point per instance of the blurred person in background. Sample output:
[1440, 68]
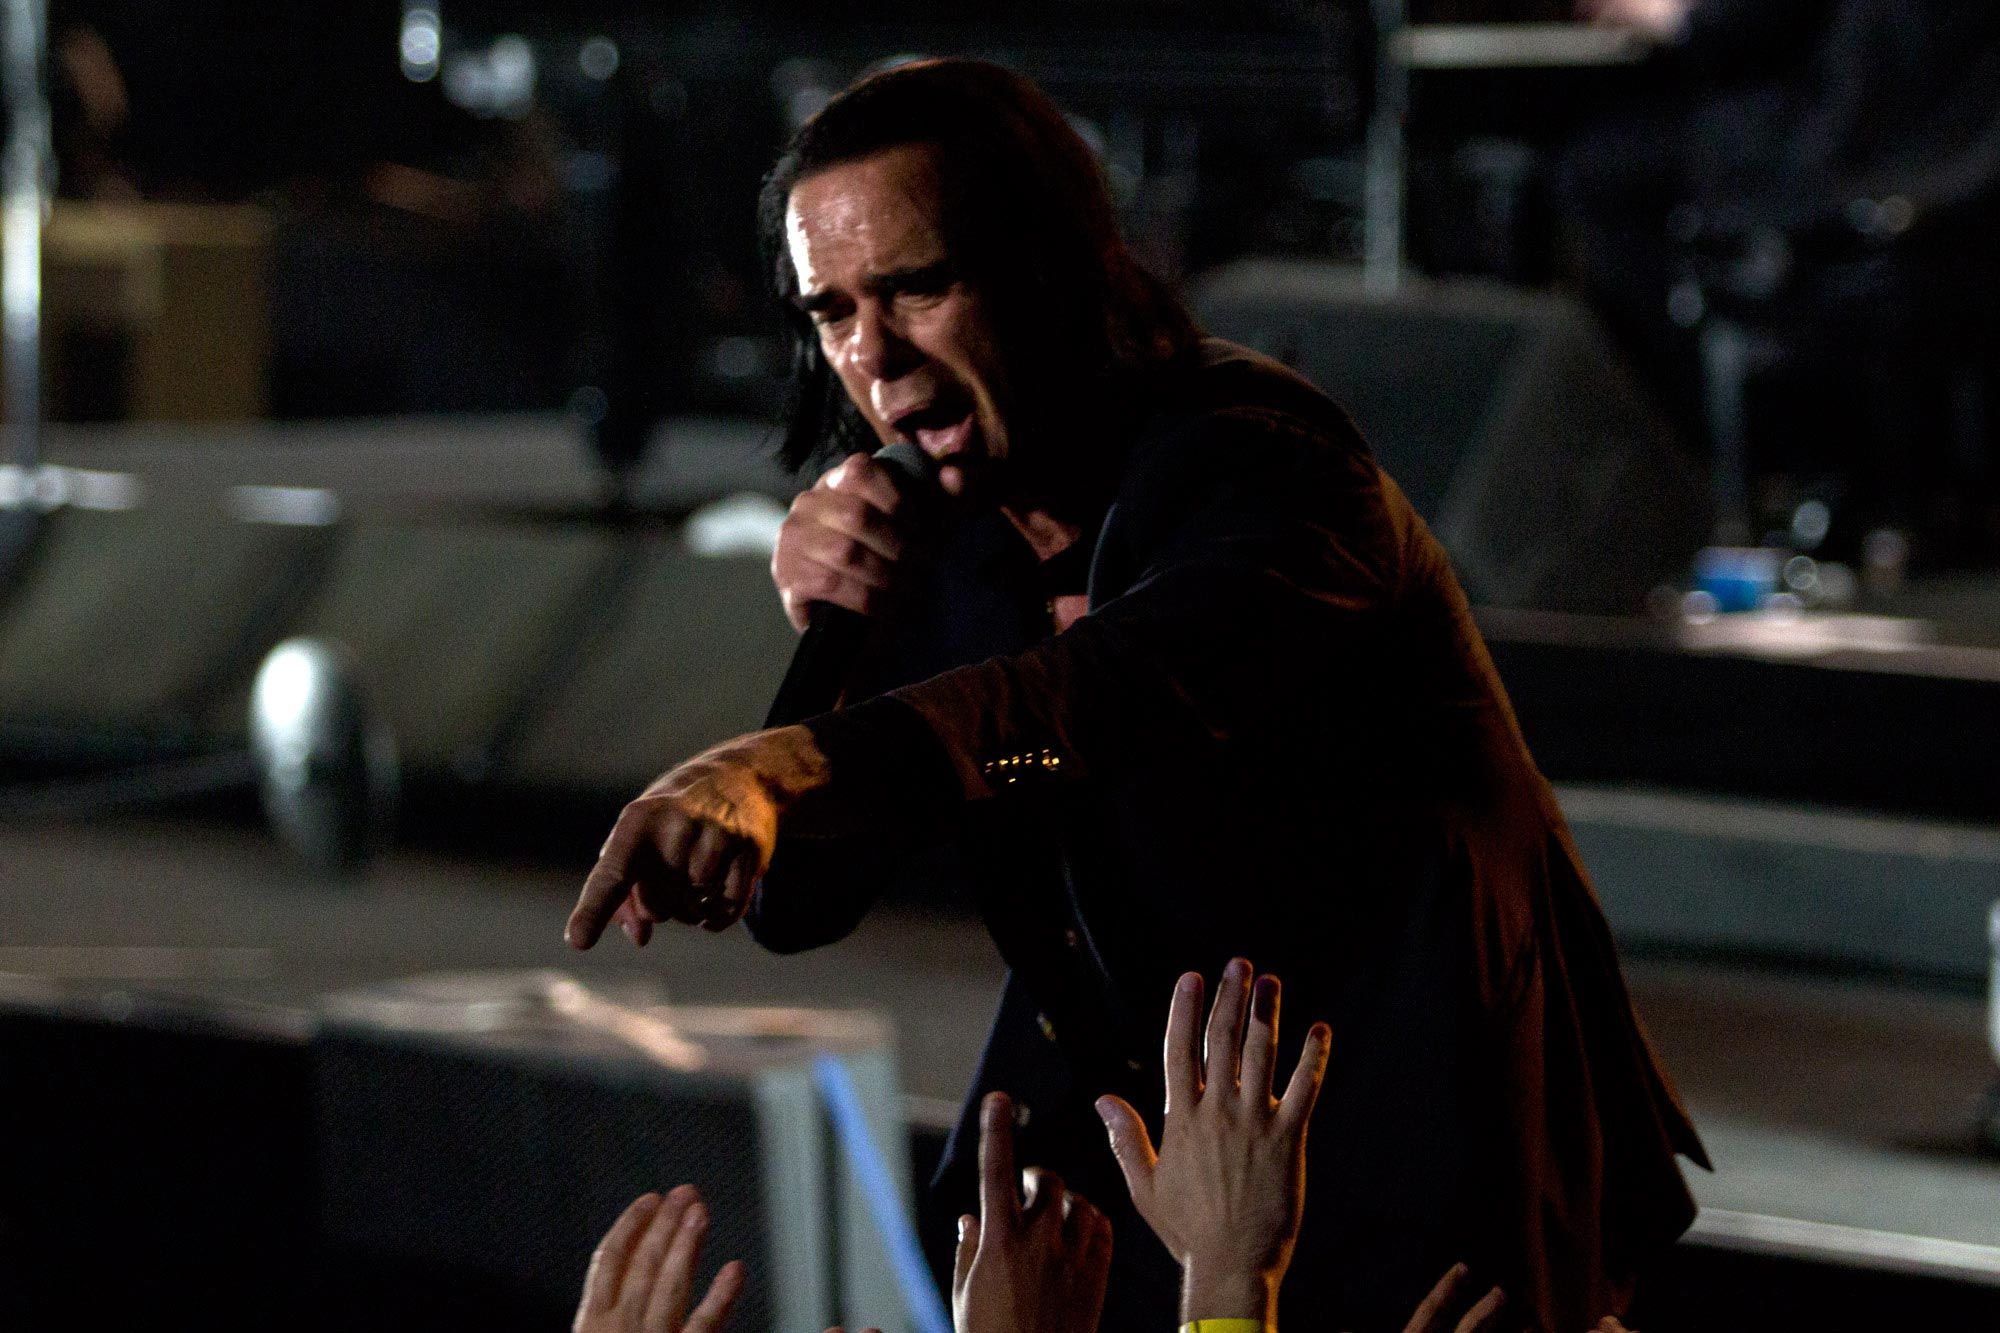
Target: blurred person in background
[1226, 698]
[1826, 175]
[420, 256]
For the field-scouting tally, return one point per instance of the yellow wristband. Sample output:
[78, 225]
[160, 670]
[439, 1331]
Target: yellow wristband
[1223, 1326]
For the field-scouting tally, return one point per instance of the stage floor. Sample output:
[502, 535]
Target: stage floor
[1839, 1114]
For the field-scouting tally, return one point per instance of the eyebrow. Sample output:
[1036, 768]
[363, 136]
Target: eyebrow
[929, 277]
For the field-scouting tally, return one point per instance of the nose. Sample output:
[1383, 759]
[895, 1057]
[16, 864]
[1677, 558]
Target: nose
[877, 347]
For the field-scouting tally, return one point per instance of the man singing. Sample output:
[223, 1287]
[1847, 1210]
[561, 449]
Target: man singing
[1182, 678]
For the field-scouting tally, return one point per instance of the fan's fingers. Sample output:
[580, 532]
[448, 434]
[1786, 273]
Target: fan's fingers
[1302, 1093]
[1225, 1024]
[1091, 1271]
[998, 1201]
[713, 1312]
[1484, 1317]
[968, 1249]
[1260, 1041]
[1183, 1052]
[1443, 1293]
[667, 1304]
[608, 1260]
[644, 1271]
[1043, 1194]
[1131, 1147]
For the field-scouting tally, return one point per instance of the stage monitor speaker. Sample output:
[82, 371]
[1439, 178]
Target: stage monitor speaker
[157, 1171]
[693, 656]
[487, 1128]
[457, 626]
[124, 628]
[1504, 415]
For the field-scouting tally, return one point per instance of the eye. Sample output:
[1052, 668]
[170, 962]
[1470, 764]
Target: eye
[928, 286]
[829, 318]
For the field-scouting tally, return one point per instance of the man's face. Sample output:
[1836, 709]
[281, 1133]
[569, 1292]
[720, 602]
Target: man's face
[912, 342]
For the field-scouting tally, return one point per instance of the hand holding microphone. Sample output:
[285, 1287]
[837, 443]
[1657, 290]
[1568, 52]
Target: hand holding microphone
[840, 543]
[834, 562]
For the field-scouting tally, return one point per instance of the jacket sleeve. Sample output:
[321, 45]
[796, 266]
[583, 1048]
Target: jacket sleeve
[1259, 555]
[1262, 557]
[817, 889]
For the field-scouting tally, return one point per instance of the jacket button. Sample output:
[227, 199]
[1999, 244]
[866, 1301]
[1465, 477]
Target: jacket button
[1048, 1028]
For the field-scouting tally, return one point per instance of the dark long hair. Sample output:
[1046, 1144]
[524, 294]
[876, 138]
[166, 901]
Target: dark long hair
[1027, 218]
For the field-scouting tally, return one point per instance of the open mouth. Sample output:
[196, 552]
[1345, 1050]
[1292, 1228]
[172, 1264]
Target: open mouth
[941, 428]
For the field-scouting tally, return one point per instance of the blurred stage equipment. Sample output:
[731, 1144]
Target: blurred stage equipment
[1384, 188]
[1820, 710]
[621, 175]
[157, 312]
[540, 649]
[121, 630]
[326, 763]
[498, 1123]
[27, 163]
[1815, 285]
[689, 654]
[1504, 415]
[1857, 299]
[188, 1119]
[442, 1152]
[1989, 1128]
[1731, 876]
[488, 1127]
[1403, 48]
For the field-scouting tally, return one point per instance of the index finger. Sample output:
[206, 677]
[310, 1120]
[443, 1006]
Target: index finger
[1444, 1293]
[1183, 1054]
[862, 476]
[998, 1197]
[713, 1312]
[604, 889]
[859, 518]
[1484, 1316]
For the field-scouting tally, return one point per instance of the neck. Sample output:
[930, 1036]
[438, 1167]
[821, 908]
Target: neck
[1079, 434]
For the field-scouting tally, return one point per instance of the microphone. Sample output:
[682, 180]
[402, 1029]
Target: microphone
[834, 635]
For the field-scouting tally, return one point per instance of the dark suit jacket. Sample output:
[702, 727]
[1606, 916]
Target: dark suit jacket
[1278, 734]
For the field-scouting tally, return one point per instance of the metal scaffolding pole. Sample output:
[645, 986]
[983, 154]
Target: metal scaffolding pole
[27, 167]
[1382, 205]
